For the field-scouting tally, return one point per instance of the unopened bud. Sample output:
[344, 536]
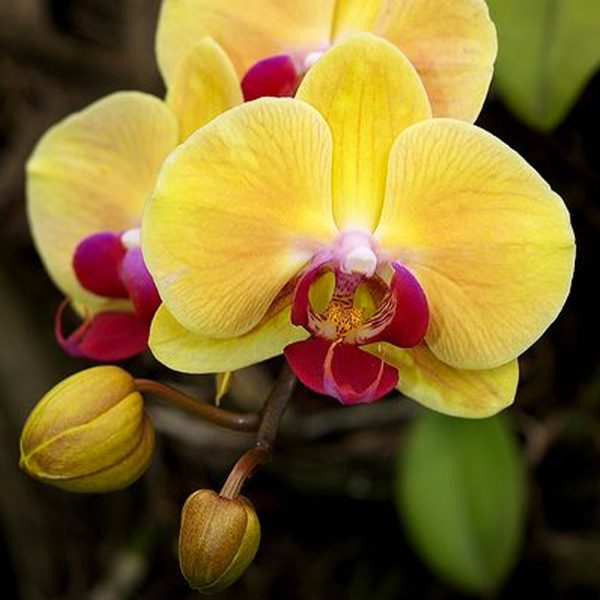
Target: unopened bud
[218, 539]
[89, 433]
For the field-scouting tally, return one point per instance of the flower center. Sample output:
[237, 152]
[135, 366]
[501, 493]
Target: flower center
[343, 312]
[351, 295]
[360, 260]
[110, 264]
[356, 252]
[97, 261]
[278, 75]
[344, 319]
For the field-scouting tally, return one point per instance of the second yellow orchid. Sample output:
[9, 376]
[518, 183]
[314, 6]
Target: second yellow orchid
[87, 181]
[376, 245]
[273, 43]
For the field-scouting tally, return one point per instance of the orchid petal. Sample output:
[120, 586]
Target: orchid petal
[453, 46]
[106, 337]
[354, 16]
[410, 318]
[185, 351]
[97, 261]
[92, 172]
[455, 392]
[249, 31]
[237, 211]
[307, 360]
[368, 93]
[223, 383]
[301, 301]
[204, 86]
[484, 234]
[341, 370]
[139, 284]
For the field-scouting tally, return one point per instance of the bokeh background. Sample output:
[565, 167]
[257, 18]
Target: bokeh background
[327, 502]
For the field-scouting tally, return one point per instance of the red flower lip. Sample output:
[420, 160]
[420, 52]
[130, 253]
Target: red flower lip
[106, 267]
[331, 361]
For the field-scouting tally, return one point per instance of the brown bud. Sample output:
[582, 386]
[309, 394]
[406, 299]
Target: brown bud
[218, 539]
[89, 433]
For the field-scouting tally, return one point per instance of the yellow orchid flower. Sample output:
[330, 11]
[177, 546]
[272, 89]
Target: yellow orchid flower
[87, 181]
[409, 250]
[452, 43]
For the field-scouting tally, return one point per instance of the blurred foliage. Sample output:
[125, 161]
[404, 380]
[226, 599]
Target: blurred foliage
[460, 492]
[548, 51]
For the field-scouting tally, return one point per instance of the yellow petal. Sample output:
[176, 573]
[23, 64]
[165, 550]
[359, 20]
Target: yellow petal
[455, 392]
[249, 31]
[204, 86]
[368, 93]
[188, 352]
[353, 16]
[223, 383]
[238, 209]
[92, 172]
[452, 43]
[489, 241]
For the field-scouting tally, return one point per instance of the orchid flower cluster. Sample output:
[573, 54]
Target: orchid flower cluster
[311, 185]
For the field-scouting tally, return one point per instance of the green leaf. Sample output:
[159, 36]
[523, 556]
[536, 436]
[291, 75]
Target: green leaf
[547, 52]
[460, 493]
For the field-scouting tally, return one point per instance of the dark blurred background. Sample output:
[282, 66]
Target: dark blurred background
[330, 528]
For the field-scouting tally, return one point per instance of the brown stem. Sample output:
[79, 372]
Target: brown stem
[242, 470]
[271, 414]
[245, 422]
[275, 406]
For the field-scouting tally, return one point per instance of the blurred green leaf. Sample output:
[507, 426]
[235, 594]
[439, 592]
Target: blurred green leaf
[547, 52]
[460, 492]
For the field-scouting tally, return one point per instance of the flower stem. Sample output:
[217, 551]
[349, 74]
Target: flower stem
[270, 417]
[275, 406]
[244, 422]
[242, 470]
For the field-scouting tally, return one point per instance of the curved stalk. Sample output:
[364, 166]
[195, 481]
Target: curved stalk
[270, 417]
[244, 422]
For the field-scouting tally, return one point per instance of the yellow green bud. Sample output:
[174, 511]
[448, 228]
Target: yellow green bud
[89, 433]
[218, 539]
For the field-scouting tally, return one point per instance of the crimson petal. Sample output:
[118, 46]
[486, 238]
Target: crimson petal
[274, 76]
[410, 319]
[301, 301]
[341, 370]
[139, 284]
[97, 261]
[109, 336]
